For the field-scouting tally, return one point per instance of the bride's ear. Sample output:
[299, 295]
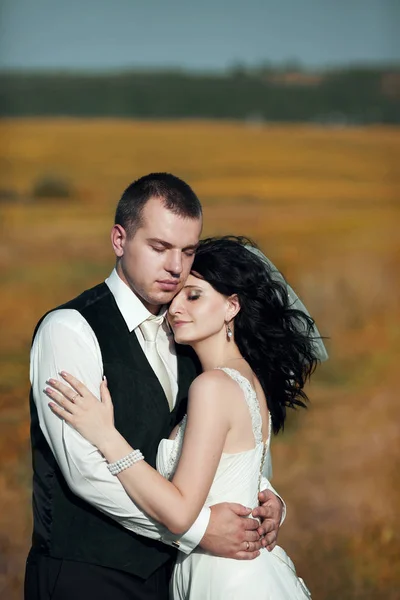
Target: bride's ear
[233, 307]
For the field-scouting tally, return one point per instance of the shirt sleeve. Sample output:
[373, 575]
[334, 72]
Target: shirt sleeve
[266, 485]
[193, 536]
[65, 341]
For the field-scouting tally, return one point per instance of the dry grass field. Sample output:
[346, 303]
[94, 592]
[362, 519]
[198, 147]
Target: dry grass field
[324, 204]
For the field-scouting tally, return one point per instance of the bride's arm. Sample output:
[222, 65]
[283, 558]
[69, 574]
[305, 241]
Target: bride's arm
[176, 504]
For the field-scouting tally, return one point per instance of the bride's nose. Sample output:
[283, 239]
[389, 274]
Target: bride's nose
[175, 308]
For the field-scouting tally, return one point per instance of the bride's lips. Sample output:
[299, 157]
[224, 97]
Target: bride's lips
[168, 285]
[176, 324]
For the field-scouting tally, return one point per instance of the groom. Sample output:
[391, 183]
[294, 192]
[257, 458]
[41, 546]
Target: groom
[89, 538]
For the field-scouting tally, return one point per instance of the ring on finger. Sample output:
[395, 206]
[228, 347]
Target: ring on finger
[247, 546]
[74, 397]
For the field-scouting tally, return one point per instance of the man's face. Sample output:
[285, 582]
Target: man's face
[155, 262]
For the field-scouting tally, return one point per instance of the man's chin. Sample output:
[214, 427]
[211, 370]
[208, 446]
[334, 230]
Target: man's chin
[161, 297]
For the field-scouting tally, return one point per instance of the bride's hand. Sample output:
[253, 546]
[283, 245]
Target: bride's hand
[80, 408]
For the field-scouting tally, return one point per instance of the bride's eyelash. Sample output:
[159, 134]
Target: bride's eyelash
[194, 297]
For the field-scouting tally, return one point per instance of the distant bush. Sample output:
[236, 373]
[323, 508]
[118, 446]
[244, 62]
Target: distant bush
[8, 195]
[48, 187]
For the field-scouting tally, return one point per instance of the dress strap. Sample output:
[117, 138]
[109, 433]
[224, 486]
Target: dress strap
[251, 400]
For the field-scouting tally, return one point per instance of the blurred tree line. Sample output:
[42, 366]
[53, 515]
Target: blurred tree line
[351, 96]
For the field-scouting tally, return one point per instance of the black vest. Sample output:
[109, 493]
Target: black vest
[66, 526]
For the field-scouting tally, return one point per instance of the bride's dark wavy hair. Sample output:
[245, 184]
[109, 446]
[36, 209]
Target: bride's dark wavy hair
[274, 338]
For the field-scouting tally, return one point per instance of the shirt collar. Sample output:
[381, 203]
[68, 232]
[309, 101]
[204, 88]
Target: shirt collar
[130, 306]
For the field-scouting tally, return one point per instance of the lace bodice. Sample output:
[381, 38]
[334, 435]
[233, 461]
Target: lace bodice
[238, 475]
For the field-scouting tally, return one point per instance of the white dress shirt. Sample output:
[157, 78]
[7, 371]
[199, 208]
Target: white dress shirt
[65, 341]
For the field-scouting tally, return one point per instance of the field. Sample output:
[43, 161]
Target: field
[324, 204]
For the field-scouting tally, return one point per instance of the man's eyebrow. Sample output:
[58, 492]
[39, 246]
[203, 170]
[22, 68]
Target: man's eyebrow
[168, 245]
[159, 241]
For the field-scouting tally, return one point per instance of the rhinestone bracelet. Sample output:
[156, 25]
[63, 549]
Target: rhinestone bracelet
[125, 462]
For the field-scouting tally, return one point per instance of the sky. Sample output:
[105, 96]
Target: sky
[196, 34]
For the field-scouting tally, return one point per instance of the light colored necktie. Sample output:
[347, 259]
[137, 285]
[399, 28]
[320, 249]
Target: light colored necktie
[149, 329]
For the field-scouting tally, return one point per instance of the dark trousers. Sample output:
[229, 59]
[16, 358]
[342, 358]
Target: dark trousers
[49, 578]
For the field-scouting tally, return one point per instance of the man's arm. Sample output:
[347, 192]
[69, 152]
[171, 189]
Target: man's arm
[65, 341]
[232, 536]
[229, 533]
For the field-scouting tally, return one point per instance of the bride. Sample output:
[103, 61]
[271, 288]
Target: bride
[256, 353]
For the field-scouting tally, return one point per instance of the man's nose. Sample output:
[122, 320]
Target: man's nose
[174, 263]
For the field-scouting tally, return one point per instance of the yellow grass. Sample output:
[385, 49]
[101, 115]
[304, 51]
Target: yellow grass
[324, 205]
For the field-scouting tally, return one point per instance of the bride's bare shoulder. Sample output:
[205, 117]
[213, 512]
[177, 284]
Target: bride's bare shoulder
[210, 399]
[213, 382]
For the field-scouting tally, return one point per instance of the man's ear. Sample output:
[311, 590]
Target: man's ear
[233, 307]
[118, 239]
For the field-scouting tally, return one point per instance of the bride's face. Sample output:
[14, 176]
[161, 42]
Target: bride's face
[197, 312]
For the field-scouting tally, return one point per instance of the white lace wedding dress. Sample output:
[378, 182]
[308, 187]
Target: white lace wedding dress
[202, 576]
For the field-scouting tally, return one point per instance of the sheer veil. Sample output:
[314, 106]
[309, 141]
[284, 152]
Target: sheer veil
[320, 350]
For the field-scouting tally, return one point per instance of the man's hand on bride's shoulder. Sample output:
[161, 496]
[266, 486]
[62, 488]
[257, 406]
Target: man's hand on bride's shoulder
[231, 534]
[269, 513]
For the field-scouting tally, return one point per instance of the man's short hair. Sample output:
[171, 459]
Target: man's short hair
[176, 195]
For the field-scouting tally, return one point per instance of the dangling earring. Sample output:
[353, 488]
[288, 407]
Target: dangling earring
[228, 332]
